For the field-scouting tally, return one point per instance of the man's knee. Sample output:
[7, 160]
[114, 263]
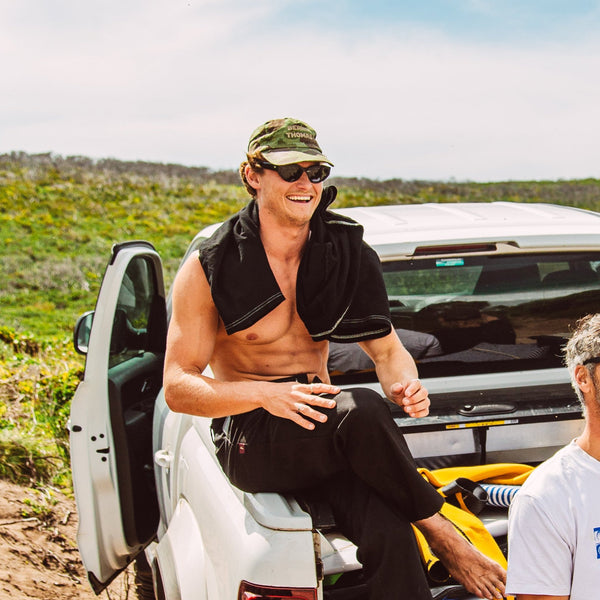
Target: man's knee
[362, 403]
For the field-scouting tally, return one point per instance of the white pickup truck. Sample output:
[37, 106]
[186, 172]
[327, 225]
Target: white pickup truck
[483, 296]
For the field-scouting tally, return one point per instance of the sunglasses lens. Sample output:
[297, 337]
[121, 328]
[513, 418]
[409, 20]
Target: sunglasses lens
[290, 173]
[318, 173]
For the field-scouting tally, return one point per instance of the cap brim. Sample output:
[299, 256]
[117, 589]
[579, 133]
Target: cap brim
[289, 157]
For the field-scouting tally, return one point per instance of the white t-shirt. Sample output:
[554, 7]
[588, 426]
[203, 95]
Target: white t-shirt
[554, 529]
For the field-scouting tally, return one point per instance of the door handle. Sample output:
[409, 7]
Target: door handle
[163, 458]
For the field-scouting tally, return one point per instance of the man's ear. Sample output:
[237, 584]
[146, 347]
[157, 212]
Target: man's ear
[252, 177]
[583, 379]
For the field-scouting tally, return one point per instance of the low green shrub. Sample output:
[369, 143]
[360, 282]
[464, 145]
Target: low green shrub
[36, 389]
[28, 459]
[21, 343]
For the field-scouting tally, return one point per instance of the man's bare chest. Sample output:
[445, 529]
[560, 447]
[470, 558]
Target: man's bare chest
[281, 323]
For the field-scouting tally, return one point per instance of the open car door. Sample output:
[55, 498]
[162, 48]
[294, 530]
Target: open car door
[111, 413]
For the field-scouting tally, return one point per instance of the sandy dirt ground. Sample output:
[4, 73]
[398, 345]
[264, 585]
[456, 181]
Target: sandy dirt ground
[38, 551]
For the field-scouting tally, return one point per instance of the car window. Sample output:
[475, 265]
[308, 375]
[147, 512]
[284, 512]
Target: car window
[450, 276]
[491, 312]
[474, 314]
[134, 307]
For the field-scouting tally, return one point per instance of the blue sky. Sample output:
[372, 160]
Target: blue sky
[481, 20]
[480, 90]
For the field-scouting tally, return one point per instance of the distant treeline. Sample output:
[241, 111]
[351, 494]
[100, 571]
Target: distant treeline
[583, 193]
[74, 165]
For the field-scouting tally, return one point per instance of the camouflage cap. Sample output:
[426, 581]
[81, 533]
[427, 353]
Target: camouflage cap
[286, 141]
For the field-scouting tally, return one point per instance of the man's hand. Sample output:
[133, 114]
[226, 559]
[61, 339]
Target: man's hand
[296, 401]
[412, 397]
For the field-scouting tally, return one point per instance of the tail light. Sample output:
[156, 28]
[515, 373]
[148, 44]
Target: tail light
[249, 591]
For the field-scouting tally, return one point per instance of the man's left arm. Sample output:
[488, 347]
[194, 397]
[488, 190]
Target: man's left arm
[397, 373]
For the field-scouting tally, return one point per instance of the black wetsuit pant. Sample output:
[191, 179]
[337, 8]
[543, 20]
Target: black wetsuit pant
[359, 461]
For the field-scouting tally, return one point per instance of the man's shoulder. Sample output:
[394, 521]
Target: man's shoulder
[191, 279]
[551, 476]
[541, 503]
[212, 247]
[240, 227]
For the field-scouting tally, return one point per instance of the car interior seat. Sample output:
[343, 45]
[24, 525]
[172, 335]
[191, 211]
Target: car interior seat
[495, 281]
[570, 277]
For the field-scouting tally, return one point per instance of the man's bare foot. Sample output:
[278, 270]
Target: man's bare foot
[476, 572]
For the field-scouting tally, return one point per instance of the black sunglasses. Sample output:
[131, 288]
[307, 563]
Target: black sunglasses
[289, 173]
[595, 360]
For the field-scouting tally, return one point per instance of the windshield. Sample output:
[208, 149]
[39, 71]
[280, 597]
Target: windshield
[512, 310]
[487, 313]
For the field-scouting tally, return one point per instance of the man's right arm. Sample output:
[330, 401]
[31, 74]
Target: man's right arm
[190, 344]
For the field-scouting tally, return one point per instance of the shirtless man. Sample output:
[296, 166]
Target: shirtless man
[246, 308]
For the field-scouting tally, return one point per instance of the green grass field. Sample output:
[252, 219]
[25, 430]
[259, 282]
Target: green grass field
[58, 220]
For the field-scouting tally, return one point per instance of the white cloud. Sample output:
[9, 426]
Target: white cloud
[187, 81]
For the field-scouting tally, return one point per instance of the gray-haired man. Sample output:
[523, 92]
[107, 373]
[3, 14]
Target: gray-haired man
[554, 521]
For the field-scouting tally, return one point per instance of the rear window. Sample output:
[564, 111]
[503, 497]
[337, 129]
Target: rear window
[477, 314]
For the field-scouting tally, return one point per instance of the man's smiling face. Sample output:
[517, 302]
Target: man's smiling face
[289, 202]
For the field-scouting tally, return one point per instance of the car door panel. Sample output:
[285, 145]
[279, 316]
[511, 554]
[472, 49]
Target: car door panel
[112, 411]
[132, 393]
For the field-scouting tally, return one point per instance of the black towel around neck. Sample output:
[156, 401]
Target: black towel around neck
[340, 293]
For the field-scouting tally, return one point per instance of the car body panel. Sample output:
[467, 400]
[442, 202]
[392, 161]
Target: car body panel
[247, 531]
[207, 536]
[399, 230]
